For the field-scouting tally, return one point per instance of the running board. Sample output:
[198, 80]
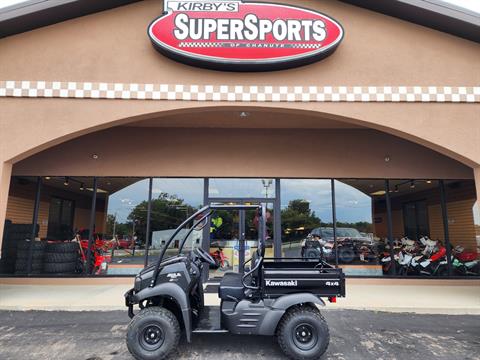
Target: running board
[210, 331]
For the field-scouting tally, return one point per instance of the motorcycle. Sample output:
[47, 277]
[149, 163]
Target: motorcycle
[465, 263]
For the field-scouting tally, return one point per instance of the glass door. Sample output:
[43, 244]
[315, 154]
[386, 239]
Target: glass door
[234, 236]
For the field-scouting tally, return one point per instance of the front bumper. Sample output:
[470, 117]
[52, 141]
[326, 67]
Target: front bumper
[130, 300]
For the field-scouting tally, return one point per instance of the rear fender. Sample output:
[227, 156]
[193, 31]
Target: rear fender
[176, 293]
[280, 306]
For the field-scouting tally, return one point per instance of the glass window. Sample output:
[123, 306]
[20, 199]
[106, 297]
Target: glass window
[18, 224]
[60, 219]
[361, 226]
[173, 201]
[306, 210]
[122, 221]
[418, 231]
[241, 188]
[461, 207]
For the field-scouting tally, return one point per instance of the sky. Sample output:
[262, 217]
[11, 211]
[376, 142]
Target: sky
[468, 4]
[351, 204]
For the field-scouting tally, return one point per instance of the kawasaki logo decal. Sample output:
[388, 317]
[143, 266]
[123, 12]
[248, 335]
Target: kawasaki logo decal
[240, 35]
[283, 283]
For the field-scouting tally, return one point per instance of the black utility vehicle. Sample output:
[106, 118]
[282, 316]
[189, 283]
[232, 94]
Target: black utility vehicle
[275, 297]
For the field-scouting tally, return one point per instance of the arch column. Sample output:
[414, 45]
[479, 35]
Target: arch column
[476, 174]
[5, 174]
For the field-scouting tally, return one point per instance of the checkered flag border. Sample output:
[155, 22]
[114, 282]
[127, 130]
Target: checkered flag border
[253, 93]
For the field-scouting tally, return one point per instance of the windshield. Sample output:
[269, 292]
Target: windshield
[327, 233]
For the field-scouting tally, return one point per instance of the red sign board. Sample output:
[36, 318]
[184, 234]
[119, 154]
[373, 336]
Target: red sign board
[243, 36]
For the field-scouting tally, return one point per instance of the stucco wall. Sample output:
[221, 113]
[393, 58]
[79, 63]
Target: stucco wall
[301, 153]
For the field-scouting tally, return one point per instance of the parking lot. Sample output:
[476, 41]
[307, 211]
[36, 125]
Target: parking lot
[354, 335]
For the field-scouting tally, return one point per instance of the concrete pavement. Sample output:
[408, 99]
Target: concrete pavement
[354, 335]
[427, 296]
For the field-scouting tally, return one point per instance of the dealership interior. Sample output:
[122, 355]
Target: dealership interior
[356, 224]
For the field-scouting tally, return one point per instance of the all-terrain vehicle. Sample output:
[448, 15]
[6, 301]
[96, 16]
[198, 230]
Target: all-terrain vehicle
[275, 297]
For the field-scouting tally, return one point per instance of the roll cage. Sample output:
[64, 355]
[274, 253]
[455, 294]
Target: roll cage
[203, 215]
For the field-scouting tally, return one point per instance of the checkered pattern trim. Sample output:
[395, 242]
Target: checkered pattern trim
[236, 45]
[89, 90]
[200, 45]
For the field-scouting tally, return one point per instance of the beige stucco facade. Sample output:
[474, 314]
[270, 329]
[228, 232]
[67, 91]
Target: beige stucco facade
[57, 136]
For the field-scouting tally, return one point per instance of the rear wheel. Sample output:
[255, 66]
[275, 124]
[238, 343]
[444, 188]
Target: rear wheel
[153, 334]
[303, 334]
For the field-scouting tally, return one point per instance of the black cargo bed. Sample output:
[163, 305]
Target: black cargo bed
[292, 275]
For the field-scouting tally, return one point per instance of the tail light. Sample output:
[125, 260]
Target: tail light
[332, 299]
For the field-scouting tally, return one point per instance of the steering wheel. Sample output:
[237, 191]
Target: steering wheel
[202, 254]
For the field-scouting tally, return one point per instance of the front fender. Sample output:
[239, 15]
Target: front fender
[270, 321]
[176, 293]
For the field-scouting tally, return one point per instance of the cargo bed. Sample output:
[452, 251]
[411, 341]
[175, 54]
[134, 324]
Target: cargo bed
[290, 275]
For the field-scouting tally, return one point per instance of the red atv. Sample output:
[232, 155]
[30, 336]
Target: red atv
[221, 261]
[100, 256]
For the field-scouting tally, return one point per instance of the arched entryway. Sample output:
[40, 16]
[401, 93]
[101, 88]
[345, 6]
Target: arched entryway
[326, 171]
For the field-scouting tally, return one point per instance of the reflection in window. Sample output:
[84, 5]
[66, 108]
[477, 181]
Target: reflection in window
[241, 188]
[361, 226]
[306, 208]
[174, 200]
[125, 222]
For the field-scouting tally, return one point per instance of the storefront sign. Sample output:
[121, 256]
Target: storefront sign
[243, 36]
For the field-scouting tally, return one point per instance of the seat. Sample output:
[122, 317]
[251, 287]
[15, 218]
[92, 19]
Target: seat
[231, 287]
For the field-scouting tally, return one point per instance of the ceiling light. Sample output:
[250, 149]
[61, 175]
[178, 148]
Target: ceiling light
[82, 187]
[66, 182]
[387, 158]
[244, 114]
[47, 177]
[429, 181]
[412, 184]
[378, 193]
[94, 156]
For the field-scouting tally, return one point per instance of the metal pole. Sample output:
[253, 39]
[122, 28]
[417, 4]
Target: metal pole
[206, 230]
[443, 200]
[34, 224]
[149, 214]
[334, 220]
[393, 268]
[277, 222]
[91, 228]
[241, 240]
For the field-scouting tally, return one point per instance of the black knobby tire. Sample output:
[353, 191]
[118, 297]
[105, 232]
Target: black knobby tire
[21, 265]
[61, 257]
[303, 333]
[60, 268]
[36, 254]
[153, 333]
[346, 255]
[62, 247]
[25, 245]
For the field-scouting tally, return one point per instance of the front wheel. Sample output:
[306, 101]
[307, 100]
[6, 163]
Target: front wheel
[303, 334]
[153, 333]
